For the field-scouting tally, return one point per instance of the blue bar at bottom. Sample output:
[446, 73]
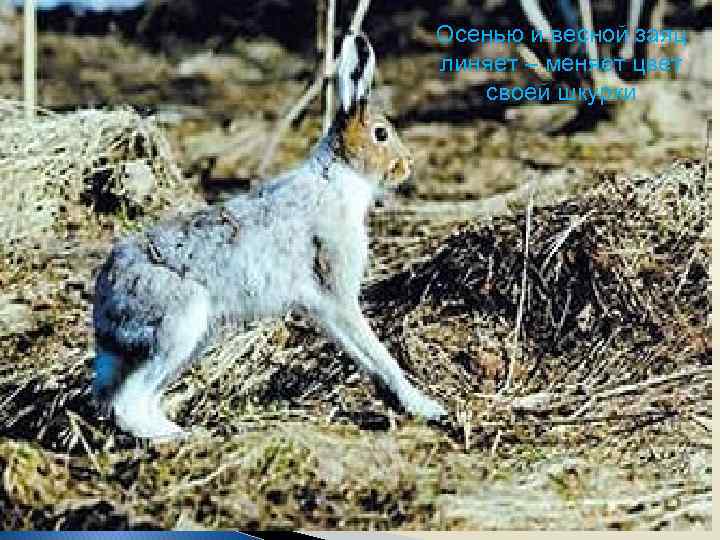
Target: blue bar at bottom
[127, 535]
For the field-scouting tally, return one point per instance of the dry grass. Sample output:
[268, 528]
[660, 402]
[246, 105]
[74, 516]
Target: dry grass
[606, 425]
[111, 161]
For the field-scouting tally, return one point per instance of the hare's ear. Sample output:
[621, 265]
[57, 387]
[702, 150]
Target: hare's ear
[356, 68]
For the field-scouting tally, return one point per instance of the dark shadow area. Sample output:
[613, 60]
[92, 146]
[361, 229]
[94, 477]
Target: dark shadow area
[586, 119]
[396, 25]
[478, 270]
[472, 104]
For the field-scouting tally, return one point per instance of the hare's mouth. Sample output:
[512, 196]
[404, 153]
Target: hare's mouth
[398, 172]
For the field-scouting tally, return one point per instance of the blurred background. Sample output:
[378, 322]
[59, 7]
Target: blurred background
[220, 75]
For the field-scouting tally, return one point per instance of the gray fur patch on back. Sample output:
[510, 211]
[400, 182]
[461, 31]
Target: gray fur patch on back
[175, 247]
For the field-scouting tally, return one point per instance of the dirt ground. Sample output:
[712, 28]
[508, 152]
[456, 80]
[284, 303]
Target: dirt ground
[548, 281]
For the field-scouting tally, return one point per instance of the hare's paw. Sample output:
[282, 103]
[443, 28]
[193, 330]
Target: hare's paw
[143, 417]
[159, 428]
[159, 431]
[419, 404]
[170, 435]
[165, 430]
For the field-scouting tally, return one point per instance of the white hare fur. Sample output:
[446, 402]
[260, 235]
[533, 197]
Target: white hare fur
[298, 243]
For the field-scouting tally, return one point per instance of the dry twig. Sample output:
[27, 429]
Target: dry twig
[329, 64]
[521, 306]
[309, 95]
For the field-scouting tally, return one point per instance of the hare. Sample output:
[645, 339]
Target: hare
[299, 242]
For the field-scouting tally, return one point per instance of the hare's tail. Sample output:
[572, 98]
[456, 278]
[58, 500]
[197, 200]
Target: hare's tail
[132, 398]
[131, 381]
[107, 374]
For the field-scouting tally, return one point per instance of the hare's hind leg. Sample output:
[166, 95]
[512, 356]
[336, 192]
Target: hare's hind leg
[137, 404]
[347, 325]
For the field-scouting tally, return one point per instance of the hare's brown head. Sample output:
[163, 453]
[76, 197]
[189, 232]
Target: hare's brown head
[364, 136]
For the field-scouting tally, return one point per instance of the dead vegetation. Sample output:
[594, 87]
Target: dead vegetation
[604, 311]
[114, 162]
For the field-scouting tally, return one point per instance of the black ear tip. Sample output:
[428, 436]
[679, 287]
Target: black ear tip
[362, 43]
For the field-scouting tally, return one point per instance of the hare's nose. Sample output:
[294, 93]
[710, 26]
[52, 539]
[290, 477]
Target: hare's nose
[406, 168]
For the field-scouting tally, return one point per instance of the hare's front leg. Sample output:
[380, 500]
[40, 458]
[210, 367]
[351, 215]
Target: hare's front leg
[345, 322]
[137, 404]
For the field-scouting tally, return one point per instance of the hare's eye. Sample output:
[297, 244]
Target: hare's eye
[380, 133]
